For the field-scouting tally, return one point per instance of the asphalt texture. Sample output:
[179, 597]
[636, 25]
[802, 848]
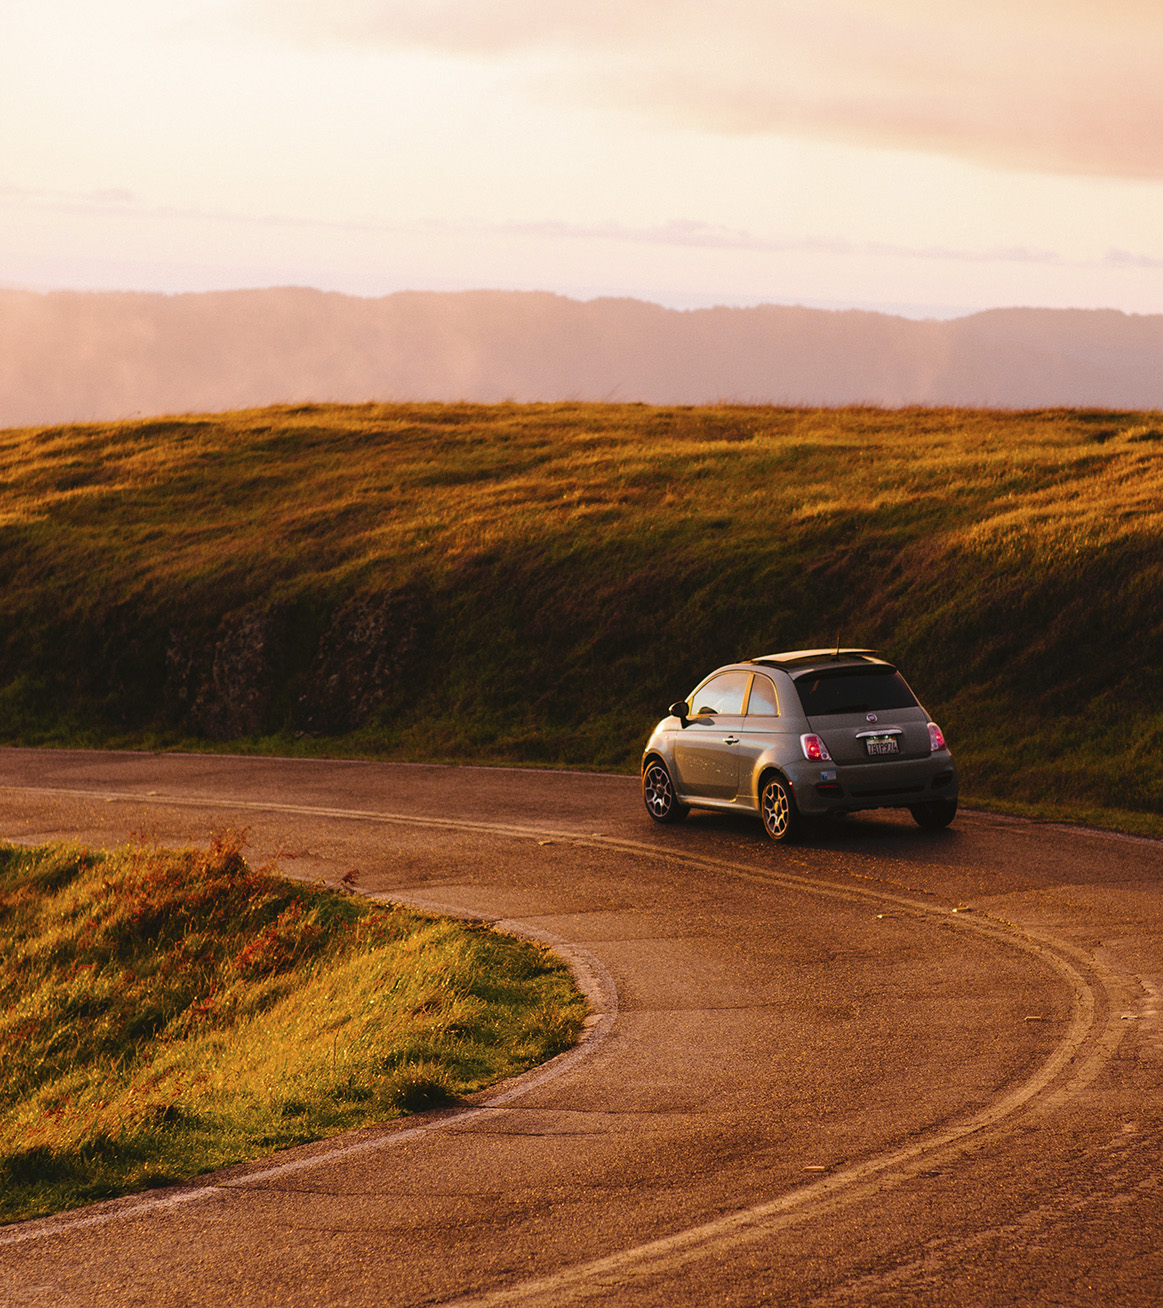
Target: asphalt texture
[881, 1066]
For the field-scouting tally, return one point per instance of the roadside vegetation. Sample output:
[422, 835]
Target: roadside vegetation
[163, 1014]
[535, 583]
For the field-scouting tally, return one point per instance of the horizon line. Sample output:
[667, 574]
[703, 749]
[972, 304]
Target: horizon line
[676, 303]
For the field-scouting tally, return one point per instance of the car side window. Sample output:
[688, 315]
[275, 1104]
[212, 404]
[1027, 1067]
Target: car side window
[722, 695]
[763, 701]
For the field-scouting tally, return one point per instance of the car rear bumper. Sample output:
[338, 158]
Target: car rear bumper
[838, 788]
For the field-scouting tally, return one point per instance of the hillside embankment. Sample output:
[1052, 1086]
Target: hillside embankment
[535, 583]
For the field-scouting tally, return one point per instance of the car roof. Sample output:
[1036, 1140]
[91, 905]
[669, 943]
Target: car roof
[806, 660]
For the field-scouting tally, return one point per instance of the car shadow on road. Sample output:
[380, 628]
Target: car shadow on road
[888, 833]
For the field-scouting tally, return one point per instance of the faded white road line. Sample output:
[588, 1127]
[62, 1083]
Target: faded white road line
[1092, 1034]
[1054, 1082]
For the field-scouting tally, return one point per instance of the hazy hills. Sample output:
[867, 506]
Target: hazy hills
[75, 356]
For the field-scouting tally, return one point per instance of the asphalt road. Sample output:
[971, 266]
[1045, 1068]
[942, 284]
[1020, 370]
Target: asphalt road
[881, 1067]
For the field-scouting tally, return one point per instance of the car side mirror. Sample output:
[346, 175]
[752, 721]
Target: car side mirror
[679, 711]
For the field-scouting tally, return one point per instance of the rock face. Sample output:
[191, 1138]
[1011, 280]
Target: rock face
[223, 688]
[233, 682]
[368, 644]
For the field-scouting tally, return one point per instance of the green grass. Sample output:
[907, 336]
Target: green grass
[566, 571]
[167, 1013]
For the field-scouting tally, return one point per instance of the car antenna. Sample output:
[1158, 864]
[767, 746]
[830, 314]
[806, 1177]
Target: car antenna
[837, 653]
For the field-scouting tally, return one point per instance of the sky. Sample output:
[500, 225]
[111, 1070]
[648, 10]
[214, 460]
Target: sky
[926, 157]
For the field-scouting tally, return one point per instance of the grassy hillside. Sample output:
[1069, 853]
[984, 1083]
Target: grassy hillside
[535, 583]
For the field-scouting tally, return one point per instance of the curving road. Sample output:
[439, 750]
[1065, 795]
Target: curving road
[882, 1067]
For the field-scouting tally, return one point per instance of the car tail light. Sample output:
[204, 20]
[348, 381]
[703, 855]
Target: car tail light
[814, 749]
[936, 738]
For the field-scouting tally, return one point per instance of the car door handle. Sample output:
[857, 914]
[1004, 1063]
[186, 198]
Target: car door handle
[730, 740]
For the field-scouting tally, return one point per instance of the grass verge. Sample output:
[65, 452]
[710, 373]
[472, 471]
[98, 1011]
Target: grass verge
[164, 1014]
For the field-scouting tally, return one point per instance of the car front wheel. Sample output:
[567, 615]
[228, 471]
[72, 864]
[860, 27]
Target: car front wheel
[661, 802]
[934, 813]
[777, 806]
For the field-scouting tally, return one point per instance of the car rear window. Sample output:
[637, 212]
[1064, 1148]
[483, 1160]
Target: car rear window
[861, 690]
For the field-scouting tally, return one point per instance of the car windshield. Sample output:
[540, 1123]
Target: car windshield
[854, 690]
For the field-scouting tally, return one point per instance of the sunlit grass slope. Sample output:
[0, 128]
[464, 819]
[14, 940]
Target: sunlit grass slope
[575, 568]
[162, 1014]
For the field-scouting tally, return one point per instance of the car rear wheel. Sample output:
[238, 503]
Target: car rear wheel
[934, 813]
[659, 796]
[777, 806]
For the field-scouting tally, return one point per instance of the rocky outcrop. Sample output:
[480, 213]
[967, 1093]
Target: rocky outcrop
[237, 680]
[222, 688]
[369, 644]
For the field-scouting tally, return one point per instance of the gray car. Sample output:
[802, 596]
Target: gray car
[809, 733]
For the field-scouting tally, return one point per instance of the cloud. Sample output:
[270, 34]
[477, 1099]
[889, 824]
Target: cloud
[112, 195]
[1128, 259]
[699, 235]
[687, 233]
[475, 26]
[1066, 86]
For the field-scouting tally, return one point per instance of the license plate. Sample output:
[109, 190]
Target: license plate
[882, 745]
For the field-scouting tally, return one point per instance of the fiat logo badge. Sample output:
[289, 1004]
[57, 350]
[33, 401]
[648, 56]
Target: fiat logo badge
[870, 717]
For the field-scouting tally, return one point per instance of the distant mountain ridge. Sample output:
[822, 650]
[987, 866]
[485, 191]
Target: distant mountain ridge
[78, 356]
